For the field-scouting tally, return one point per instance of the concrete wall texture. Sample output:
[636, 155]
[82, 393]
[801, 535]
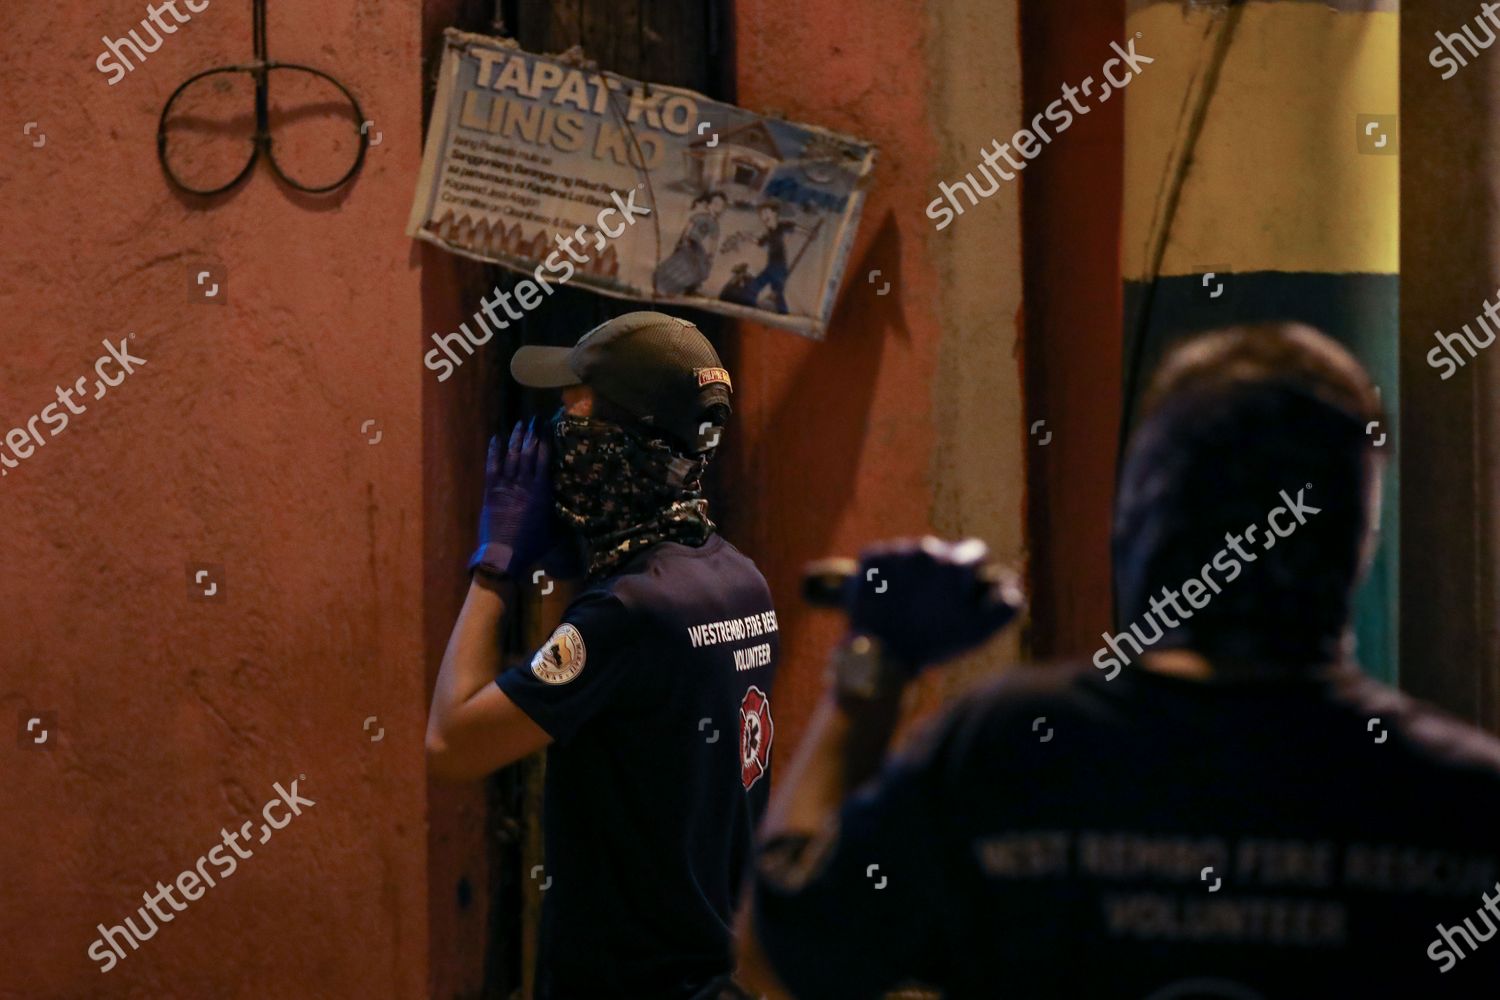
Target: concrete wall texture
[239, 445]
[906, 419]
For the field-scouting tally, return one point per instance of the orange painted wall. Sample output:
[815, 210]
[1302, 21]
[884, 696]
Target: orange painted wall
[239, 444]
[835, 434]
[842, 443]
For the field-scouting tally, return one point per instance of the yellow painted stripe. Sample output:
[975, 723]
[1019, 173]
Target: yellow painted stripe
[1277, 181]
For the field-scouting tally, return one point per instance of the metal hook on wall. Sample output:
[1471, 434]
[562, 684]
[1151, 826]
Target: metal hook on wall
[260, 69]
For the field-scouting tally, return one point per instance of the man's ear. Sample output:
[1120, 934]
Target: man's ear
[579, 400]
[1374, 496]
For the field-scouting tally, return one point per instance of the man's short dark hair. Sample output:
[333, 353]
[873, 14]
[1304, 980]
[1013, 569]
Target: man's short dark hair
[1234, 423]
[1267, 354]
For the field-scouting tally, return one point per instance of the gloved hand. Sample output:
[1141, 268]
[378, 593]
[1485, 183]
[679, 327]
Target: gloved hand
[927, 600]
[515, 521]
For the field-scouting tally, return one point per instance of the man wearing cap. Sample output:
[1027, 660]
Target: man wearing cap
[652, 696]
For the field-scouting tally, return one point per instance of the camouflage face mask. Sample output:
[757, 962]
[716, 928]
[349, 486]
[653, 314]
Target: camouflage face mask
[623, 492]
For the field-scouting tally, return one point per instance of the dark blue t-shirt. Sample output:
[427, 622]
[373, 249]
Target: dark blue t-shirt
[656, 690]
[1146, 837]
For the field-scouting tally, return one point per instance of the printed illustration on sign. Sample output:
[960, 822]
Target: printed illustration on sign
[756, 731]
[527, 153]
[561, 657]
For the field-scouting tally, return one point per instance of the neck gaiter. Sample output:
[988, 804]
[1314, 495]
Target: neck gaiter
[623, 491]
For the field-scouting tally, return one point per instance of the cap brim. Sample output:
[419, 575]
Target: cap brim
[544, 367]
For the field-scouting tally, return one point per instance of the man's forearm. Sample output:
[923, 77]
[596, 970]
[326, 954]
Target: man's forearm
[474, 727]
[910, 604]
[472, 658]
[845, 744]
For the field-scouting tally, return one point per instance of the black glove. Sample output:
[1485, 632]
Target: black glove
[928, 600]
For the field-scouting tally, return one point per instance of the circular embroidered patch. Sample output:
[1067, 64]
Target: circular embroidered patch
[561, 657]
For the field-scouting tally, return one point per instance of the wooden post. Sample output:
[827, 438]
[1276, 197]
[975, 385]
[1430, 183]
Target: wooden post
[1450, 267]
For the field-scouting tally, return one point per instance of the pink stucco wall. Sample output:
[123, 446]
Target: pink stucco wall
[238, 444]
[903, 421]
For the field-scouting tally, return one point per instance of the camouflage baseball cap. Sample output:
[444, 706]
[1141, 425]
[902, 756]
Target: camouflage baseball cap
[658, 368]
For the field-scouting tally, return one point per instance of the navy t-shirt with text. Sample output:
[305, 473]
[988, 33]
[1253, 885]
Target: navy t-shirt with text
[656, 691]
[1065, 835]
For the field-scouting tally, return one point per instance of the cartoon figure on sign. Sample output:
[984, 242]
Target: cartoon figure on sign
[693, 258]
[756, 731]
[746, 289]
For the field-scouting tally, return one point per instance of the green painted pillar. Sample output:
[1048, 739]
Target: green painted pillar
[1262, 183]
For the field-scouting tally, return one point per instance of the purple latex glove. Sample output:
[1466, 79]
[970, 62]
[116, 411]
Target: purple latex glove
[929, 600]
[515, 522]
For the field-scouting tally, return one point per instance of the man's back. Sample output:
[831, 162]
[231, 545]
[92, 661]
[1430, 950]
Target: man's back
[1341, 823]
[658, 699]
[1064, 835]
[1110, 831]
